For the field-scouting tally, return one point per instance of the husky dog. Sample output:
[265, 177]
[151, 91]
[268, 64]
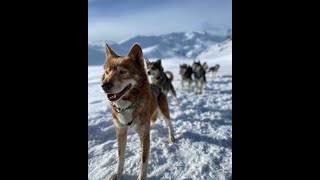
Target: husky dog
[186, 75]
[160, 78]
[134, 103]
[205, 66]
[213, 70]
[199, 76]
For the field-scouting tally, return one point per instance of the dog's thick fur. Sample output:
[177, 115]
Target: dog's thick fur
[133, 102]
[199, 76]
[186, 75]
[205, 66]
[160, 78]
[213, 70]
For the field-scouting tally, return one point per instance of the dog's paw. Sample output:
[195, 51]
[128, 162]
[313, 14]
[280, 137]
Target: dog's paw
[171, 139]
[114, 176]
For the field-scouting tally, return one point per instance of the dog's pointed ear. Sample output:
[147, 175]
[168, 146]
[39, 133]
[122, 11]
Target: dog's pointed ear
[110, 52]
[136, 53]
[159, 61]
[147, 61]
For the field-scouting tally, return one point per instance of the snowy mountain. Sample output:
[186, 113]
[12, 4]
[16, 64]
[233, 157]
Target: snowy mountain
[96, 55]
[182, 44]
[220, 53]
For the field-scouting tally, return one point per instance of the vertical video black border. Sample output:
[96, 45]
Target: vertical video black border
[48, 136]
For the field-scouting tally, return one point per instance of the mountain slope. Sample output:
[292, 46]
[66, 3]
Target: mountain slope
[188, 44]
[95, 55]
[219, 54]
[183, 45]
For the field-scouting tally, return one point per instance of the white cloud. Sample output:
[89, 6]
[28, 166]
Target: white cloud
[157, 20]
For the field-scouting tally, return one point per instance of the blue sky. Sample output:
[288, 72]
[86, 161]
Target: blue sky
[116, 20]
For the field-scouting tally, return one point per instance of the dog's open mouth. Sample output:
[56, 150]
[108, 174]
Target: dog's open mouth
[114, 97]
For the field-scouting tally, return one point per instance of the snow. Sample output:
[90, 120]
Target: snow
[189, 35]
[150, 49]
[219, 54]
[202, 127]
[177, 44]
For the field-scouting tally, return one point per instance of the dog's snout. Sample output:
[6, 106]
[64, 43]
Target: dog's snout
[107, 86]
[148, 72]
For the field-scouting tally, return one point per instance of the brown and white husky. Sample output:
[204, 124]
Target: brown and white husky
[135, 103]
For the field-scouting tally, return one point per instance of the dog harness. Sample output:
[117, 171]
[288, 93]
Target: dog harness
[119, 110]
[155, 90]
[160, 80]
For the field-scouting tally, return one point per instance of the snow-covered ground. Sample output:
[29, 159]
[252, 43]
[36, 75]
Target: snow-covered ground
[202, 125]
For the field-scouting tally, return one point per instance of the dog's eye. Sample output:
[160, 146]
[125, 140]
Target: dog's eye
[122, 72]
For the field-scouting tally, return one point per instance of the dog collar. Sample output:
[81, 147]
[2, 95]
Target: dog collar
[157, 89]
[131, 122]
[119, 110]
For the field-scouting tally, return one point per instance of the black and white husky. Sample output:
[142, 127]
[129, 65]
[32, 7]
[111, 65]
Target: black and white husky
[213, 70]
[199, 76]
[160, 78]
[186, 75]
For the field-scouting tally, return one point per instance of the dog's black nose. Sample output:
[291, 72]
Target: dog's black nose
[107, 86]
[148, 72]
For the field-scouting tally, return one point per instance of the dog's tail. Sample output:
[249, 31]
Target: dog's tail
[169, 75]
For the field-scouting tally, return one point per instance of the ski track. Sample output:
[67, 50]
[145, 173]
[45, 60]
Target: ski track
[202, 128]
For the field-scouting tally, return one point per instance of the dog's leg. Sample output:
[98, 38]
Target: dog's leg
[196, 87]
[165, 92]
[122, 141]
[189, 85]
[203, 88]
[181, 84]
[154, 117]
[164, 109]
[212, 78]
[173, 92]
[144, 135]
[204, 84]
